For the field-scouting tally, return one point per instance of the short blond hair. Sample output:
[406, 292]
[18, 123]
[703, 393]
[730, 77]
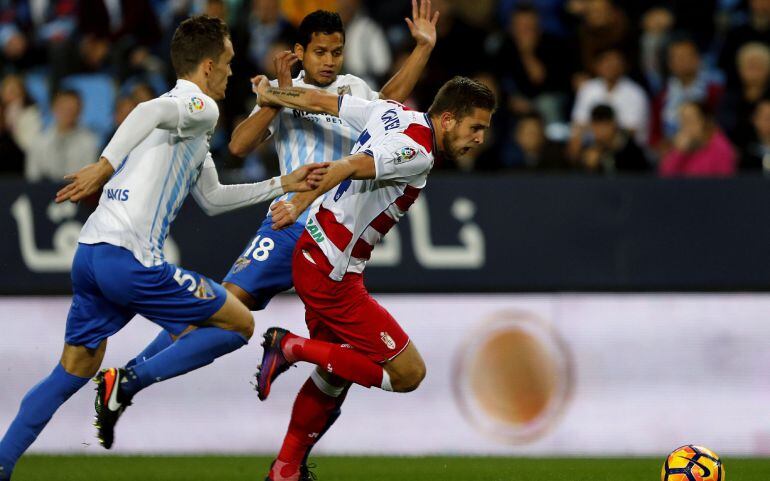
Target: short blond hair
[752, 49]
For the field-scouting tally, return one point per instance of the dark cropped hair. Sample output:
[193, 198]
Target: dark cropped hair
[603, 113]
[320, 21]
[196, 39]
[460, 96]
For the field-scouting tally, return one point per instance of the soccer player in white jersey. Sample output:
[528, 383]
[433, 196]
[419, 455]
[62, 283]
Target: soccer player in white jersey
[351, 335]
[264, 267]
[157, 156]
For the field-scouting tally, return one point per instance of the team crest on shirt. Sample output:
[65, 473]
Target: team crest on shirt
[195, 104]
[405, 154]
[388, 340]
[204, 290]
[344, 90]
[241, 264]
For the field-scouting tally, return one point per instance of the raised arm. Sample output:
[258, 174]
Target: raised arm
[310, 100]
[250, 133]
[423, 30]
[356, 166]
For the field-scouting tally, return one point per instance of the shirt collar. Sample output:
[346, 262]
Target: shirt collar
[432, 132]
[186, 85]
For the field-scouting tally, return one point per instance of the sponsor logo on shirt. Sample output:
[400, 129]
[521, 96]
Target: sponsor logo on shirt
[404, 154]
[390, 119]
[195, 104]
[117, 194]
[314, 230]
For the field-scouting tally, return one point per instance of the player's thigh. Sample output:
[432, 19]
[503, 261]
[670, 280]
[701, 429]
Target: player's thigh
[82, 361]
[175, 298]
[406, 370]
[356, 319]
[93, 316]
[264, 267]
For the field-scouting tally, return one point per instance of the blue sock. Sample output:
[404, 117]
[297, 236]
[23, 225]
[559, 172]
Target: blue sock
[161, 342]
[194, 350]
[37, 408]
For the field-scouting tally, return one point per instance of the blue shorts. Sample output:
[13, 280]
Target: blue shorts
[110, 287]
[264, 268]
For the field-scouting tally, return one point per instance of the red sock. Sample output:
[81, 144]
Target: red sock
[341, 361]
[313, 413]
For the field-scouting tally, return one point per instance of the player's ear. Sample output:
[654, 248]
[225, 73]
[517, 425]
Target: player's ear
[299, 51]
[448, 120]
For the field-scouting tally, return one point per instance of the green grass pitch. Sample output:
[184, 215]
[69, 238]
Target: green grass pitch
[221, 468]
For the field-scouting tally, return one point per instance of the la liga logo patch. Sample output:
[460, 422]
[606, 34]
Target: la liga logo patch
[405, 154]
[196, 104]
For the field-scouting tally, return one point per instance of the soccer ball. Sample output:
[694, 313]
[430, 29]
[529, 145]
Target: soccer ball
[693, 463]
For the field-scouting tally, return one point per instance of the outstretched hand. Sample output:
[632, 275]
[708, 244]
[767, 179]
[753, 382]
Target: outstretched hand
[422, 25]
[259, 85]
[284, 214]
[306, 178]
[86, 181]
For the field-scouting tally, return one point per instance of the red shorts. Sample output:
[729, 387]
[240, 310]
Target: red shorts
[343, 312]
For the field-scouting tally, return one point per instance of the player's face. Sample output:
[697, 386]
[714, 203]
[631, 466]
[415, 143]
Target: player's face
[465, 134]
[220, 72]
[322, 59]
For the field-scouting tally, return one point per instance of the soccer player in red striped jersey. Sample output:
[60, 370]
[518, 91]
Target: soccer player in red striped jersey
[352, 338]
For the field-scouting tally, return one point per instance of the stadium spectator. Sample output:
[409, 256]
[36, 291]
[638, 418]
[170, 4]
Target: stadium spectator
[756, 154]
[602, 25]
[533, 66]
[740, 101]
[22, 117]
[367, 53]
[688, 82]
[454, 35]
[700, 148]
[550, 12]
[130, 28]
[612, 87]
[657, 24]
[611, 148]
[64, 147]
[266, 26]
[531, 149]
[755, 30]
[12, 158]
[31, 31]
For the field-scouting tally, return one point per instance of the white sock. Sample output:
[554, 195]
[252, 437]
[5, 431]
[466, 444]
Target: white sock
[386, 381]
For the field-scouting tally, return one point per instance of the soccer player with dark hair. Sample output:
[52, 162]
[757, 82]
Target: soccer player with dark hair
[158, 156]
[352, 337]
[263, 269]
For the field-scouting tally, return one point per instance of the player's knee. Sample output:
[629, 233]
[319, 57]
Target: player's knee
[244, 323]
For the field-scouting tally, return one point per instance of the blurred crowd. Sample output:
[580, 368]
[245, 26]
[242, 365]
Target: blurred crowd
[678, 87]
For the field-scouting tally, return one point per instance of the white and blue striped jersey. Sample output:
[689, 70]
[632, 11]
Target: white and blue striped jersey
[148, 188]
[302, 138]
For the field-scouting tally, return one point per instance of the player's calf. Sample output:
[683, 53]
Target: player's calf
[407, 370]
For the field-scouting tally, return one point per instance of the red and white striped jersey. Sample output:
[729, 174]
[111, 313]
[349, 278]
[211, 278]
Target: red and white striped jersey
[355, 216]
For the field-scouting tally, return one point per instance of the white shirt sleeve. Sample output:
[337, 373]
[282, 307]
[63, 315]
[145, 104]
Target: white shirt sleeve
[188, 116]
[198, 114]
[215, 198]
[355, 111]
[157, 113]
[398, 158]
